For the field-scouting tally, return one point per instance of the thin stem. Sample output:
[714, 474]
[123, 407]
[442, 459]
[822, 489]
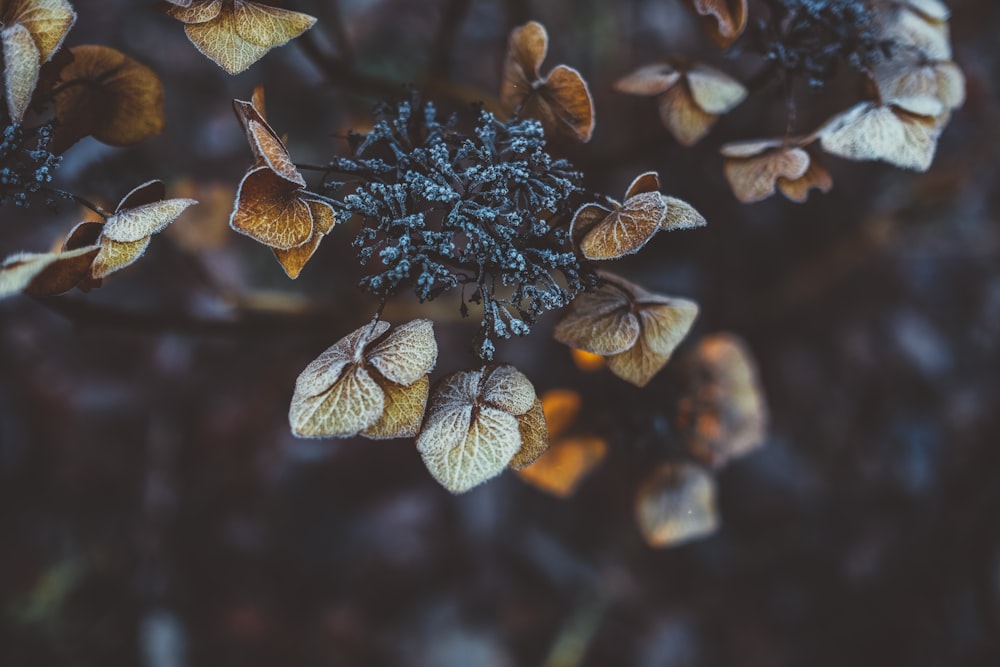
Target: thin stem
[79, 200]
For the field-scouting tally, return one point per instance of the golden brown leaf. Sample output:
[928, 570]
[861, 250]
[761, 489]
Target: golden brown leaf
[723, 20]
[755, 177]
[48, 22]
[599, 321]
[626, 229]
[403, 412]
[265, 143]
[561, 100]
[534, 436]
[237, 33]
[109, 96]
[269, 209]
[45, 274]
[116, 255]
[871, 131]
[32, 32]
[675, 504]
[723, 414]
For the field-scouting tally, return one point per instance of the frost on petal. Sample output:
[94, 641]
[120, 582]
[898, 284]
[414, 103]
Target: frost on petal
[352, 404]
[626, 230]
[460, 463]
[403, 412]
[48, 21]
[638, 364]
[646, 182]
[755, 178]
[675, 504]
[600, 322]
[133, 224]
[45, 274]
[869, 131]
[680, 215]
[22, 64]
[326, 369]
[268, 26]
[268, 209]
[507, 388]
[193, 11]
[116, 255]
[407, 354]
[534, 436]
[664, 326]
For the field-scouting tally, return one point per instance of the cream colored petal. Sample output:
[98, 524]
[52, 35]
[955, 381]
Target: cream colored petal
[638, 364]
[934, 10]
[680, 215]
[749, 148]
[21, 67]
[911, 29]
[352, 404]
[649, 80]
[675, 504]
[685, 120]
[664, 326]
[534, 436]
[508, 389]
[755, 178]
[714, 91]
[492, 440]
[326, 369]
[407, 354]
[871, 132]
[134, 224]
[403, 412]
[48, 21]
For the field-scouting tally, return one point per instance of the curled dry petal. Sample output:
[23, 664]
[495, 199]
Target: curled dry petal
[21, 68]
[116, 255]
[407, 354]
[626, 229]
[133, 224]
[599, 321]
[649, 80]
[722, 414]
[45, 274]
[561, 100]
[470, 435]
[755, 177]
[33, 30]
[682, 116]
[113, 98]
[675, 504]
[723, 20]
[680, 215]
[871, 131]
[942, 82]
[269, 209]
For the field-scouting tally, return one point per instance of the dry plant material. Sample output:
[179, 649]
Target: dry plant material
[372, 382]
[756, 169]
[560, 99]
[106, 94]
[722, 20]
[888, 132]
[637, 331]
[920, 82]
[623, 228]
[569, 458]
[920, 25]
[723, 414]
[272, 204]
[675, 504]
[480, 422]
[46, 274]
[235, 34]
[32, 31]
[690, 99]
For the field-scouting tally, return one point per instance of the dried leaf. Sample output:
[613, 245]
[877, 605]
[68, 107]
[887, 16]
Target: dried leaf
[269, 209]
[912, 29]
[599, 321]
[33, 31]
[294, 260]
[354, 403]
[755, 177]
[561, 100]
[723, 414]
[134, 224]
[713, 91]
[45, 274]
[48, 22]
[626, 229]
[870, 131]
[534, 436]
[675, 504]
[905, 82]
[649, 80]
[407, 354]
[21, 69]
[646, 182]
[723, 20]
[265, 143]
[680, 215]
[116, 255]
[403, 412]
[327, 368]
[237, 34]
[108, 95]
[816, 177]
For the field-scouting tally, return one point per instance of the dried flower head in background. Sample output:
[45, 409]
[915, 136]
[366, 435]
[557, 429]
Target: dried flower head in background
[723, 20]
[755, 169]
[675, 504]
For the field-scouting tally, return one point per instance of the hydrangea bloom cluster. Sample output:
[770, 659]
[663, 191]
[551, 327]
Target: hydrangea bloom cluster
[26, 163]
[812, 37]
[484, 209]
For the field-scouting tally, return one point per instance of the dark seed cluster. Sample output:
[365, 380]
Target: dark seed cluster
[26, 164]
[483, 209]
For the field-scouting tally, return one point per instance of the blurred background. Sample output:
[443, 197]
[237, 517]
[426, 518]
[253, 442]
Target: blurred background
[155, 510]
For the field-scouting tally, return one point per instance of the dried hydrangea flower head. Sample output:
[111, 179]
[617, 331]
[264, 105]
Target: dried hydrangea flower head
[560, 99]
[690, 98]
[636, 330]
[235, 34]
[756, 169]
[480, 422]
[675, 504]
[609, 232]
[372, 382]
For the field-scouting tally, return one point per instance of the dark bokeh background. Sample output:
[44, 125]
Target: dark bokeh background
[155, 510]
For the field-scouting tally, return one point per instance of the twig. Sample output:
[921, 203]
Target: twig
[79, 200]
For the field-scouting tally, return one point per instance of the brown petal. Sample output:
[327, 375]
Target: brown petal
[755, 178]
[869, 131]
[664, 325]
[815, 177]
[526, 49]
[723, 20]
[354, 403]
[649, 80]
[561, 468]
[627, 229]
[714, 91]
[22, 64]
[675, 504]
[268, 209]
[407, 354]
[116, 255]
[723, 414]
[599, 321]
[585, 218]
[645, 182]
[327, 368]
[685, 120]
[534, 436]
[147, 193]
[506, 388]
[638, 364]
[116, 99]
[133, 224]
[323, 215]
[567, 104]
[680, 215]
[403, 412]
[48, 21]
[83, 234]
[293, 260]
[45, 274]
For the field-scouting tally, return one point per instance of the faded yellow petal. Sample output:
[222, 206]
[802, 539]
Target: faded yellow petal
[22, 63]
[599, 321]
[561, 468]
[714, 91]
[352, 404]
[293, 260]
[268, 209]
[675, 504]
[627, 229]
[507, 389]
[268, 26]
[403, 412]
[116, 255]
[638, 364]
[664, 325]
[489, 444]
[133, 224]
[219, 41]
[323, 215]
[680, 215]
[407, 354]
[326, 369]
[197, 11]
[48, 21]
[648, 80]
[685, 120]
[869, 131]
[534, 436]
